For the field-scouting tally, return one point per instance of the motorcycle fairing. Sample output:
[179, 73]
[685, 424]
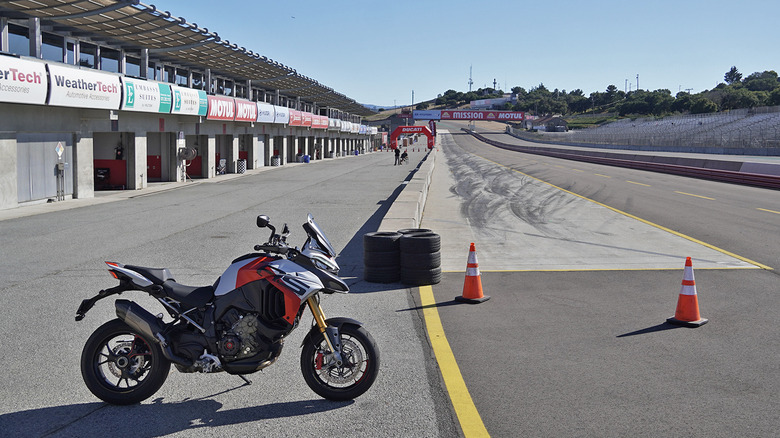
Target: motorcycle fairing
[242, 271]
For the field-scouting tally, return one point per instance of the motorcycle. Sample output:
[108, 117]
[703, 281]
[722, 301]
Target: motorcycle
[238, 325]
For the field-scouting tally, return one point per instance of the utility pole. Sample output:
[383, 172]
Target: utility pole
[412, 100]
[470, 81]
[637, 81]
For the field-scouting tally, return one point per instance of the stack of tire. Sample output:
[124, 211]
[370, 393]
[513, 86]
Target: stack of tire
[411, 255]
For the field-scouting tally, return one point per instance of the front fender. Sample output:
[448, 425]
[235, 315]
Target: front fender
[332, 322]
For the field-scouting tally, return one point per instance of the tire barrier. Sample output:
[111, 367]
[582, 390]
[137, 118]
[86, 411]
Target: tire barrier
[381, 257]
[420, 258]
[411, 255]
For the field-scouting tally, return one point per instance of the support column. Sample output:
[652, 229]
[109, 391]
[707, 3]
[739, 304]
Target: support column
[83, 167]
[9, 189]
[210, 157]
[282, 147]
[232, 163]
[136, 163]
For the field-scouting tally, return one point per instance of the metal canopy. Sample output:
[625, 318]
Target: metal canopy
[132, 25]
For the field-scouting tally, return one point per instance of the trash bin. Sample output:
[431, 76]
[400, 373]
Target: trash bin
[306, 158]
[241, 166]
[356, 152]
[276, 160]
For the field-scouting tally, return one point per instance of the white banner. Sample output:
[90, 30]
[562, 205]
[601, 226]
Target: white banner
[189, 102]
[145, 96]
[84, 88]
[282, 115]
[265, 112]
[22, 81]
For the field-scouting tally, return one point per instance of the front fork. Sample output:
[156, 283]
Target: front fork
[331, 334]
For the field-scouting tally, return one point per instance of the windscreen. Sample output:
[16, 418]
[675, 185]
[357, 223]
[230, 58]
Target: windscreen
[314, 231]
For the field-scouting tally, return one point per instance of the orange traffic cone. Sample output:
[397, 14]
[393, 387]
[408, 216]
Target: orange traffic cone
[472, 287]
[687, 313]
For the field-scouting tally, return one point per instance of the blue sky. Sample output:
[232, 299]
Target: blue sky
[377, 52]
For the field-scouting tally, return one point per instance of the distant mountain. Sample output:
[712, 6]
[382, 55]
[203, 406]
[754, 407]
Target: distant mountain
[378, 107]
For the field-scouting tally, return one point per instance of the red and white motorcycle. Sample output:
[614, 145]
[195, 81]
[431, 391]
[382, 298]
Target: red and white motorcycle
[238, 325]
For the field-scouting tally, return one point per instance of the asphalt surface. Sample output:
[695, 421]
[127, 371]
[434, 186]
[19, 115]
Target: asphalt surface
[583, 265]
[51, 261]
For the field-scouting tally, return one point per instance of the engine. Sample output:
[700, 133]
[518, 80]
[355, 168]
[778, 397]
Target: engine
[242, 338]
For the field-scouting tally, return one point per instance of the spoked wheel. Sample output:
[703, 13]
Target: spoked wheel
[350, 379]
[122, 367]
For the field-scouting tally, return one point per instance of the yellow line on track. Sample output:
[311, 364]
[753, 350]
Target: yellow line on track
[695, 196]
[660, 227]
[638, 183]
[769, 211]
[468, 416]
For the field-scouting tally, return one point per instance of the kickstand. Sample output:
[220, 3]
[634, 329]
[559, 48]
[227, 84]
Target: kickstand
[248, 382]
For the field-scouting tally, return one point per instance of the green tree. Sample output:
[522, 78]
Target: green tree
[774, 97]
[765, 81]
[702, 105]
[733, 98]
[732, 76]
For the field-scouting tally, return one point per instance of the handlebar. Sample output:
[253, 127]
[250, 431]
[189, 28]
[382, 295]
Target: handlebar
[272, 249]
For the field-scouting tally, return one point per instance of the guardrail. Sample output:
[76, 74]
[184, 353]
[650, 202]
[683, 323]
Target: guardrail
[732, 176]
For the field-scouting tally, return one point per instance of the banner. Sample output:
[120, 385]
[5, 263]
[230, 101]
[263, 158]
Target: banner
[296, 118]
[189, 102]
[22, 81]
[501, 116]
[426, 115]
[306, 118]
[145, 96]
[265, 112]
[84, 88]
[221, 108]
[281, 115]
[246, 111]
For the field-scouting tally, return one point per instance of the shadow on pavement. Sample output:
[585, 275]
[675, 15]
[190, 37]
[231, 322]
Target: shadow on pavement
[653, 329]
[156, 419]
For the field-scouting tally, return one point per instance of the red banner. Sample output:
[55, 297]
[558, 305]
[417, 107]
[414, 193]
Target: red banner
[246, 111]
[501, 116]
[221, 108]
[307, 118]
[296, 118]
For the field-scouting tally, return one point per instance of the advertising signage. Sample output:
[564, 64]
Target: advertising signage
[427, 115]
[265, 113]
[296, 118]
[221, 108]
[187, 101]
[150, 97]
[22, 81]
[501, 116]
[246, 111]
[281, 115]
[84, 88]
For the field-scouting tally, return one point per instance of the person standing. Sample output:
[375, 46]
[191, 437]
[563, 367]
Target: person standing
[397, 156]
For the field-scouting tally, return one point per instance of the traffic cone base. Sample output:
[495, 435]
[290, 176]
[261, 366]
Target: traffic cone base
[472, 286]
[691, 324]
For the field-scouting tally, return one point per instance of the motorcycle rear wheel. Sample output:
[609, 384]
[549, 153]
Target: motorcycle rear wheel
[356, 374]
[122, 367]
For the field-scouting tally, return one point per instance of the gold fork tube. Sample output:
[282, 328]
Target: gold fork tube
[319, 318]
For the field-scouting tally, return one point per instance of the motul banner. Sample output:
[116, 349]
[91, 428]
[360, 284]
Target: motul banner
[501, 116]
[221, 108]
[246, 111]
[22, 81]
[306, 118]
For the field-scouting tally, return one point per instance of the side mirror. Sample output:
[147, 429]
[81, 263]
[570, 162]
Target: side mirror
[263, 221]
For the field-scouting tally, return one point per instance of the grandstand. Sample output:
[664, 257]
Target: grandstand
[742, 131]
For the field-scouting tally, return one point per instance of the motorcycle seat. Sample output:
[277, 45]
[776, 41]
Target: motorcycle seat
[155, 275]
[190, 296]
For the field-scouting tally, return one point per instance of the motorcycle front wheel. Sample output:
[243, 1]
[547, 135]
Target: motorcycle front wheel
[122, 367]
[355, 375]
